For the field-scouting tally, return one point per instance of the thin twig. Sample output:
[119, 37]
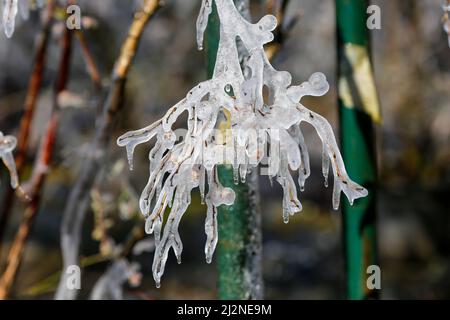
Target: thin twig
[90, 63]
[76, 207]
[39, 174]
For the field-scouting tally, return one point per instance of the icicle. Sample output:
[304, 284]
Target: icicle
[7, 146]
[202, 184]
[211, 231]
[336, 194]
[235, 164]
[9, 16]
[325, 165]
[304, 170]
[243, 172]
[202, 21]
[132, 139]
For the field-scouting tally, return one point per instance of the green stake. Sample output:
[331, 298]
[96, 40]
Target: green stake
[239, 246]
[359, 113]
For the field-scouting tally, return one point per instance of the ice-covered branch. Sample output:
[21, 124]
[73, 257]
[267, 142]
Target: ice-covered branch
[7, 146]
[177, 167]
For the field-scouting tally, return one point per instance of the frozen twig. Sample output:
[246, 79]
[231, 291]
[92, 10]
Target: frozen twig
[7, 146]
[77, 204]
[177, 167]
[10, 10]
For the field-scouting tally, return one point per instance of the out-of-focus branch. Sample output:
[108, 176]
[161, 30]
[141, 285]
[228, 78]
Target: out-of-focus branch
[90, 63]
[279, 9]
[34, 88]
[77, 204]
[39, 174]
[48, 284]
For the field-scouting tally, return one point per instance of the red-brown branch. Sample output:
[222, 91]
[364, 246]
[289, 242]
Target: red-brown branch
[90, 63]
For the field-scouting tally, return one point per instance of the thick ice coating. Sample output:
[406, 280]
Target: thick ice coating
[258, 123]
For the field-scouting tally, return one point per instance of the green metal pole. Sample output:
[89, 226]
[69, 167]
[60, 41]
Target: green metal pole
[239, 246]
[359, 113]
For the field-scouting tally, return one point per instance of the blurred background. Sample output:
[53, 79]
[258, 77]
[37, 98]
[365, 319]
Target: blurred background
[302, 260]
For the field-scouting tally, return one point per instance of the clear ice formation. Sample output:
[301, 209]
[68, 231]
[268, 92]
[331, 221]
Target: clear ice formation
[9, 10]
[177, 167]
[7, 146]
